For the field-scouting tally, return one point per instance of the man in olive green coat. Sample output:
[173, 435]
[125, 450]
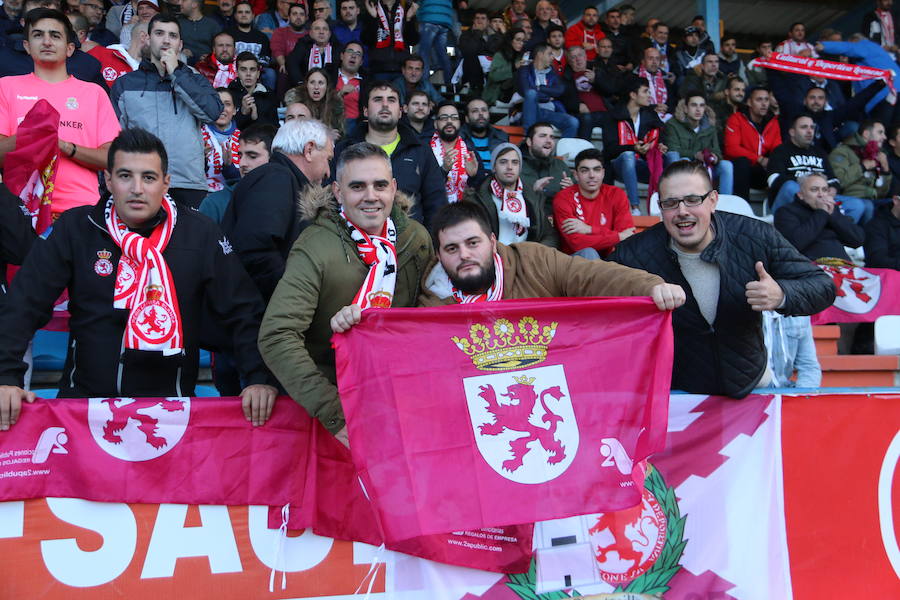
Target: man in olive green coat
[691, 134]
[360, 250]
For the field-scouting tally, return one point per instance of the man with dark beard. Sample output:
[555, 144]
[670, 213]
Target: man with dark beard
[415, 169]
[451, 152]
[481, 136]
[472, 266]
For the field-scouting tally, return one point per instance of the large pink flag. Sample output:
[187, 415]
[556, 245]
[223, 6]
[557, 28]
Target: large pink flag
[499, 413]
[863, 295]
[178, 450]
[203, 451]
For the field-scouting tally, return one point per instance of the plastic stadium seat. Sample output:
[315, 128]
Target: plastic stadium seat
[205, 359]
[735, 204]
[887, 335]
[568, 148]
[50, 349]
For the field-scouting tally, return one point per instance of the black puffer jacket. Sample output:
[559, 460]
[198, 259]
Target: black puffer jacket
[729, 357]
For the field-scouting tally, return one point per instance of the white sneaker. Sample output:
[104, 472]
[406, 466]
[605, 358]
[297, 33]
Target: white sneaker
[635, 211]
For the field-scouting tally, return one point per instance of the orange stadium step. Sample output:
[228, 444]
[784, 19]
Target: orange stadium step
[643, 222]
[515, 132]
[826, 338]
[859, 370]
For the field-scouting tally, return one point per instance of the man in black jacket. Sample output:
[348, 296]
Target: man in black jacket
[254, 102]
[814, 223]
[414, 166]
[883, 237]
[262, 220]
[481, 136]
[629, 134]
[732, 268]
[136, 314]
[16, 235]
[798, 156]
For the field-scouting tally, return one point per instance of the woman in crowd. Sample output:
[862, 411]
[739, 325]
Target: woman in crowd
[501, 79]
[318, 93]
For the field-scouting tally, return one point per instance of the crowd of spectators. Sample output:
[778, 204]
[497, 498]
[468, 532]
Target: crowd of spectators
[254, 104]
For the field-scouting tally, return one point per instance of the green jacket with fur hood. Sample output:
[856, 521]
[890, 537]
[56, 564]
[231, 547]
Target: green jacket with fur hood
[323, 274]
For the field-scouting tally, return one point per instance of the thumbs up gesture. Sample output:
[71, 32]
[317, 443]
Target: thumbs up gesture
[764, 294]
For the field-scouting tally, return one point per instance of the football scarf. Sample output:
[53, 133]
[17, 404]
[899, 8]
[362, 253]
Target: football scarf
[217, 154]
[384, 29]
[319, 58]
[379, 253]
[658, 91]
[494, 293]
[455, 183]
[512, 206]
[225, 74]
[144, 284]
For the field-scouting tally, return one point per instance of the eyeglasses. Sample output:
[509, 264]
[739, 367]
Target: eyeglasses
[689, 201]
[353, 53]
[447, 118]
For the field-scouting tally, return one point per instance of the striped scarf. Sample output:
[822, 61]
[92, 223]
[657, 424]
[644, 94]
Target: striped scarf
[379, 253]
[144, 284]
[494, 293]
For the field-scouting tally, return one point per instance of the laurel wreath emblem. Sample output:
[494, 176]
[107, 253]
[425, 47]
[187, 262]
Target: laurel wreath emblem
[656, 580]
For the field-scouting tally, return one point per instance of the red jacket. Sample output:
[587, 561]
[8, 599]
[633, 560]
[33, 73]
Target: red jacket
[112, 64]
[575, 37]
[742, 139]
[607, 213]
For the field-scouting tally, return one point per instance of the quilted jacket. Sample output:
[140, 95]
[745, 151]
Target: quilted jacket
[729, 356]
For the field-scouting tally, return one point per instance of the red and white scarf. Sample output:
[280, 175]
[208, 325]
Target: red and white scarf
[214, 150]
[627, 136]
[144, 284]
[225, 74]
[512, 206]
[384, 28]
[495, 292]
[455, 183]
[887, 27]
[658, 92]
[789, 46]
[319, 58]
[379, 253]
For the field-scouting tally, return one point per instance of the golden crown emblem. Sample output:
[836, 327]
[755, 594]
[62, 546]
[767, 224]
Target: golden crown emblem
[104, 254]
[505, 347]
[154, 292]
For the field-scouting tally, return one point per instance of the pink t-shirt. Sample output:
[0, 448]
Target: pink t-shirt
[86, 118]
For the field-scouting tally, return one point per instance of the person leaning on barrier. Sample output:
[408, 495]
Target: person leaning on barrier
[732, 267]
[361, 250]
[128, 339]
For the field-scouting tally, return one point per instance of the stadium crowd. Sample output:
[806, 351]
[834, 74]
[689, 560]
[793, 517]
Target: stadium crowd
[322, 142]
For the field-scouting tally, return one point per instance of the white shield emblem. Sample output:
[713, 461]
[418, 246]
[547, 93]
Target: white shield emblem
[857, 290]
[138, 429]
[524, 423]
